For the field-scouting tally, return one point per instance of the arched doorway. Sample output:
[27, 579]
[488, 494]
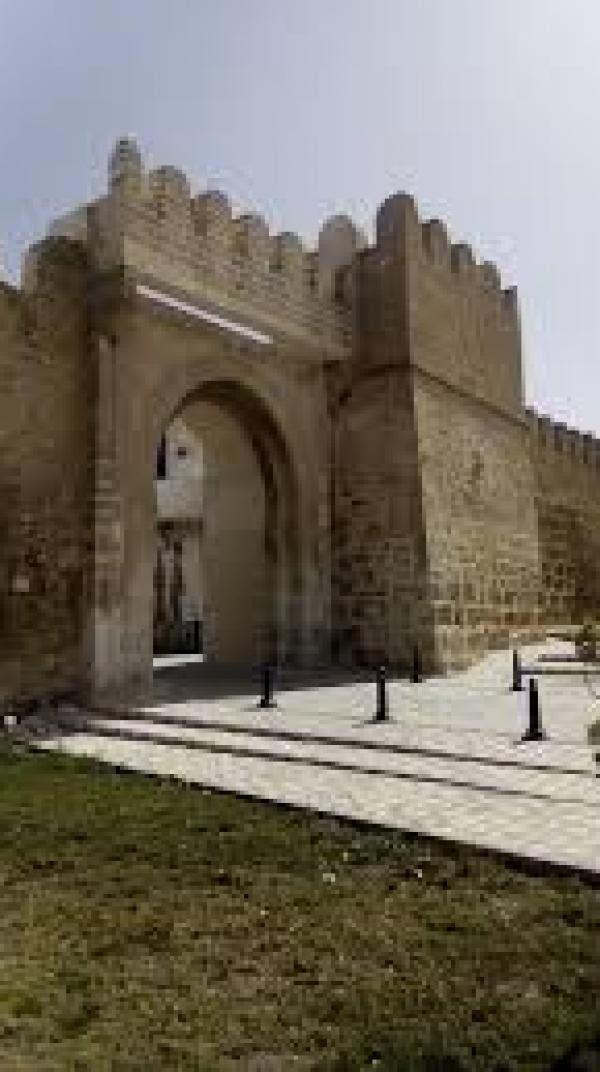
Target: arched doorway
[227, 570]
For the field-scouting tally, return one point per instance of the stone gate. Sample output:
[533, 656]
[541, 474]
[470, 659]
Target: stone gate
[378, 390]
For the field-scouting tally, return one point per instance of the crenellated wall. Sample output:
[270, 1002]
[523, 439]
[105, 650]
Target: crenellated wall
[437, 330]
[475, 472]
[567, 494]
[427, 303]
[150, 223]
[410, 498]
[45, 451]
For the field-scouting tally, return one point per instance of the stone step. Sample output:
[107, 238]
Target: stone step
[407, 732]
[465, 771]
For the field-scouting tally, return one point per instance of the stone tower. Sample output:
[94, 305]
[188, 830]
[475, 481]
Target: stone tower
[435, 525]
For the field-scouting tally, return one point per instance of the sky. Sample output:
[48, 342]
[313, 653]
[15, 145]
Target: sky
[487, 111]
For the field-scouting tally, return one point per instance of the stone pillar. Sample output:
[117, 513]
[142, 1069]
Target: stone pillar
[105, 614]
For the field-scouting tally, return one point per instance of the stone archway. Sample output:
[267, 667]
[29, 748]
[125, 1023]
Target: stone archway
[154, 366]
[250, 558]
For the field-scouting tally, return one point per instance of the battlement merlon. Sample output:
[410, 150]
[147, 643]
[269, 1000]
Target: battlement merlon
[195, 248]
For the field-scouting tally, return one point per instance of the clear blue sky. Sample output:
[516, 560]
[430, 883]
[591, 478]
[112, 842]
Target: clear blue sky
[486, 110]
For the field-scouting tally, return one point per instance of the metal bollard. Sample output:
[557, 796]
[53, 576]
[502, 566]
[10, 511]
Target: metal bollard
[517, 672]
[381, 712]
[416, 666]
[535, 731]
[266, 699]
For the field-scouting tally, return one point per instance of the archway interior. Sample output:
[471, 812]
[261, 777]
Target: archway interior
[179, 599]
[224, 574]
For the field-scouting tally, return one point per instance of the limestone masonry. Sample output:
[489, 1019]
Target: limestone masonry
[373, 481]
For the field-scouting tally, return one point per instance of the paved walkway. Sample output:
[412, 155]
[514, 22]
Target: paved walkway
[449, 763]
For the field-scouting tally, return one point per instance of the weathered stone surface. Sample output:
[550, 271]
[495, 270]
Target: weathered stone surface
[407, 497]
[45, 478]
[567, 489]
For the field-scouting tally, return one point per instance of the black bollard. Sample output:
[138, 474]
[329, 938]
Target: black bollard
[381, 712]
[517, 672]
[416, 666]
[534, 730]
[266, 699]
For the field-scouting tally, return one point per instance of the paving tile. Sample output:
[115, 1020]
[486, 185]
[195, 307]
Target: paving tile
[450, 764]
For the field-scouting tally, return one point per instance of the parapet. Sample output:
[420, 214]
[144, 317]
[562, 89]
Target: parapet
[398, 223]
[556, 439]
[490, 276]
[462, 260]
[397, 217]
[151, 222]
[52, 258]
[436, 242]
[212, 221]
[3, 268]
[232, 259]
[289, 257]
[11, 305]
[339, 243]
[125, 168]
[252, 240]
[169, 186]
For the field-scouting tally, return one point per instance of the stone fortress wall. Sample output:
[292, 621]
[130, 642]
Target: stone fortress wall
[438, 511]
[46, 416]
[476, 479]
[436, 526]
[567, 487]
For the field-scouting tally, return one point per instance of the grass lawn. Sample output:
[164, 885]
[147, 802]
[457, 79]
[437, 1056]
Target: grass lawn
[146, 925]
